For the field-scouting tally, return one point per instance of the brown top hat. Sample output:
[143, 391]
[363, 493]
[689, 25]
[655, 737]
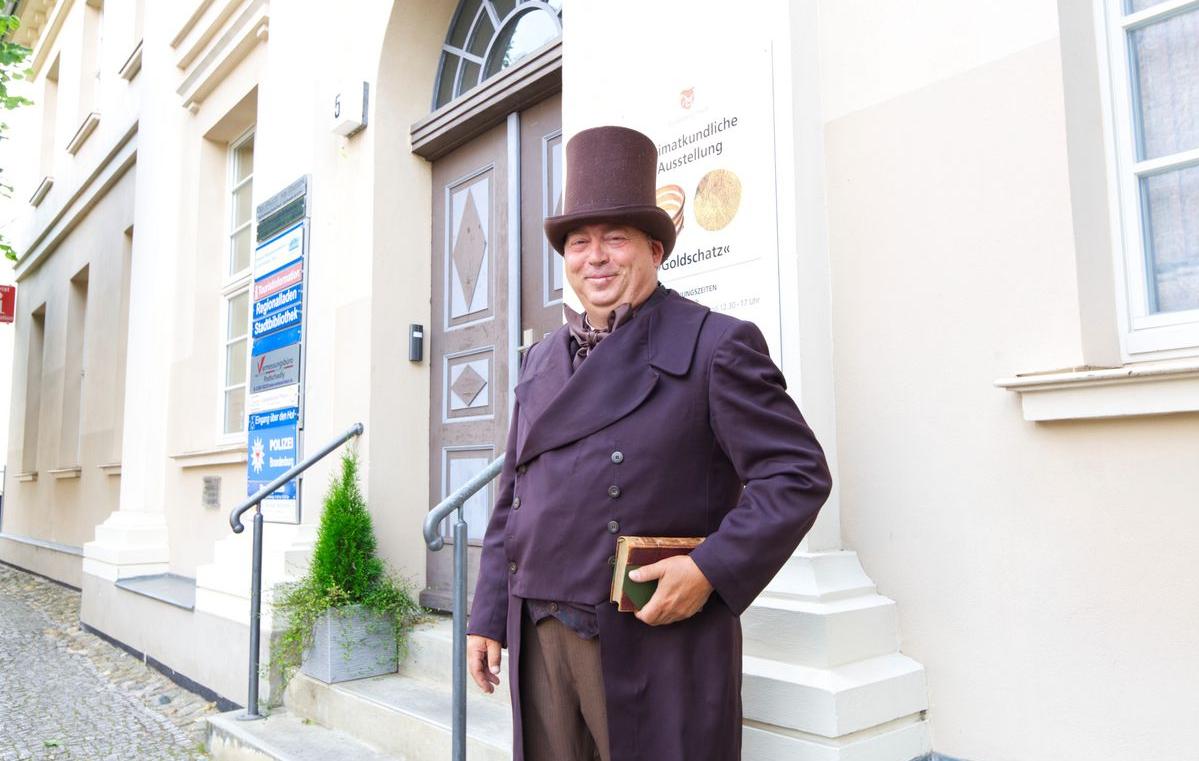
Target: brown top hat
[610, 178]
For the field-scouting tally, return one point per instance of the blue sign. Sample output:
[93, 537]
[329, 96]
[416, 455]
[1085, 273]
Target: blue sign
[276, 395]
[285, 318]
[274, 448]
[278, 301]
[278, 340]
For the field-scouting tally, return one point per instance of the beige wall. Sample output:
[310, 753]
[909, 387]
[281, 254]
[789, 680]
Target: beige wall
[210, 650]
[83, 220]
[195, 423]
[66, 510]
[368, 267]
[398, 429]
[368, 279]
[1043, 573]
[357, 368]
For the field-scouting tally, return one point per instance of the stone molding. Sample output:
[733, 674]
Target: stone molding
[1144, 388]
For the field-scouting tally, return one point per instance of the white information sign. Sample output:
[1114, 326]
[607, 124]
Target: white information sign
[714, 128]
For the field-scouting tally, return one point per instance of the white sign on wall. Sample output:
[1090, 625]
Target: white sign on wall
[714, 128]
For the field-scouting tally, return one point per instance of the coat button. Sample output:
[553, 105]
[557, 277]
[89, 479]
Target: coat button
[553, 607]
[618, 457]
[613, 491]
[512, 566]
[612, 560]
[521, 469]
[613, 527]
[516, 503]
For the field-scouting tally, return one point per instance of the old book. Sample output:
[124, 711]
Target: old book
[632, 552]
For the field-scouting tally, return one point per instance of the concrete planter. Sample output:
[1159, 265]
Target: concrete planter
[351, 643]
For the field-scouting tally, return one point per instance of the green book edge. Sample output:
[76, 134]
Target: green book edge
[638, 592]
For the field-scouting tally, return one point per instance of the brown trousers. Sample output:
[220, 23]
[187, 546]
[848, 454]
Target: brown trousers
[561, 694]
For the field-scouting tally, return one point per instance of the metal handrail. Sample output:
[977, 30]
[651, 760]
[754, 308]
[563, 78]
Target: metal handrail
[255, 501]
[435, 542]
[433, 537]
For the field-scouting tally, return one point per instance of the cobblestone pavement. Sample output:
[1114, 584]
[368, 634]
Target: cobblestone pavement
[67, 694]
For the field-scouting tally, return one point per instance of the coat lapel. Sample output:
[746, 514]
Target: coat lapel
[545, 376]
[561, 407]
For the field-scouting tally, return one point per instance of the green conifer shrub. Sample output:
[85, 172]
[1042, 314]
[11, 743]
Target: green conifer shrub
[344, 557]
[344, 571]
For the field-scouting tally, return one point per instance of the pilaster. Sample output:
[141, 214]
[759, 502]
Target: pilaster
[134, 540]
[128, 543]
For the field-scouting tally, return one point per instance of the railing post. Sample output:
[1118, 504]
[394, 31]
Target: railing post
[434, 533]
[459, 741]
[235, 523]
[255, 618]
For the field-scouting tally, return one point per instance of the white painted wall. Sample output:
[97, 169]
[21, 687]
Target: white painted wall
[1042, 571]
[873, 51]
[1039, 570]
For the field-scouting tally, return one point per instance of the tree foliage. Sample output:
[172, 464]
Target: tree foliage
[344, 556]
[12, 69]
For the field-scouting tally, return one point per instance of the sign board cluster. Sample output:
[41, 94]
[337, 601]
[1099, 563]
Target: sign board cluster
[276, 393]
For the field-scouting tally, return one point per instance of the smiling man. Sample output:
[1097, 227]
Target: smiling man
[644, 415]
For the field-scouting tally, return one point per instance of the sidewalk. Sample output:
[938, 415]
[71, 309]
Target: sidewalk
[67, 694]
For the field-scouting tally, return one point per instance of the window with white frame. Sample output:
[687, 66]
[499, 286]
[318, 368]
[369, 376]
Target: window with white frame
[236, 290]
[1154, 74]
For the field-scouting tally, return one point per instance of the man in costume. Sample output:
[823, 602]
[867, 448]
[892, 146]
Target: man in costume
[645, 415]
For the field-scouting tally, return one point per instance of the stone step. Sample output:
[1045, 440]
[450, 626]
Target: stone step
[900, 740]
[405, 716]
[803, 633]
[832, 702]
[825, 701]
[282, 736]
[822, 634]
[429, 657]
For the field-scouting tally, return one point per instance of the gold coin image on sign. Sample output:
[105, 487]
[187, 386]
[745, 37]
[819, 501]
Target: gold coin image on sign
[717, 198]
[671, 199]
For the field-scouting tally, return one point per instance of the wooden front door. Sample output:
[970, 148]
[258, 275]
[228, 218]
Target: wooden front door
[475, 339]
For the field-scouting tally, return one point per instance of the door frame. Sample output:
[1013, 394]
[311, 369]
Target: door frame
[529, 81]
[499, 100]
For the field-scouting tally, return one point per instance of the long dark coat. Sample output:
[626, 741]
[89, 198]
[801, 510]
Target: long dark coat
[677, 424]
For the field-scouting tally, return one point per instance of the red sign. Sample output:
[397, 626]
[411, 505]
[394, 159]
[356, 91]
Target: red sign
[8, 302]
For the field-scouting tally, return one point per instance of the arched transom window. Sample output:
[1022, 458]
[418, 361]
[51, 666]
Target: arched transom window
[488, 36]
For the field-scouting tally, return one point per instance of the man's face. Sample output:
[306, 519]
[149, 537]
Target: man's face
[609, 265]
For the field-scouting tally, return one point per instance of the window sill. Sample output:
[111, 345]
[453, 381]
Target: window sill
[29, 475]
[110, 468]
[226, 454]
[69, 471]
[133, 64]
[170, 588]
[90, 122]
[1146, 388]
[42, 189]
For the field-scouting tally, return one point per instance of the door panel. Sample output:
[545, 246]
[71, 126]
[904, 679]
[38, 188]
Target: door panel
[469, 340]
[541, 158]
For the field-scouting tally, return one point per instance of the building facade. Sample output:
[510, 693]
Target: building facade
[966, 229]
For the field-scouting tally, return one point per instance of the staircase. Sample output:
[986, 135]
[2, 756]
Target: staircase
[386, 718]
[823, 681]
